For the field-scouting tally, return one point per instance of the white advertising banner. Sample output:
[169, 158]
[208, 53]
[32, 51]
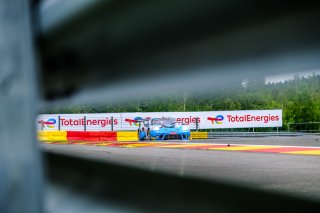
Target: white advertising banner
[127, 121]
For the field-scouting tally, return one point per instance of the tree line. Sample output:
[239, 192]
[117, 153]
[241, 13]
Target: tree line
[299, 98]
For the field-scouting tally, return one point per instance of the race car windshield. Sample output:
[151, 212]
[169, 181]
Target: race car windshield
[163, 122]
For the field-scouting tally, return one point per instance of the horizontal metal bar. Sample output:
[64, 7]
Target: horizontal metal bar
[251, 134]
[112, 45]
[144, 191]
[54, 13]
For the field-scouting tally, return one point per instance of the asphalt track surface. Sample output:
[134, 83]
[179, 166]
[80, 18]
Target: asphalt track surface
[293, 174]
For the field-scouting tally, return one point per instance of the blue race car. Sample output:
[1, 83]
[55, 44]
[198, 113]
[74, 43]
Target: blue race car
[167, 128]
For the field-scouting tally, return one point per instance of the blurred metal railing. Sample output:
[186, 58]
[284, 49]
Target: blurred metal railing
[21, 182]
[250, 134]
[308, 127]
[143, 191]
[123, 50]
[97, 51]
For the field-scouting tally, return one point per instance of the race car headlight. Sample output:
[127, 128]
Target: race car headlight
[185, 128]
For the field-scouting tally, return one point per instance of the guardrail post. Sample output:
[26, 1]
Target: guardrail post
[111, 123]
[59, 125]
[42, 125]
[197, 124]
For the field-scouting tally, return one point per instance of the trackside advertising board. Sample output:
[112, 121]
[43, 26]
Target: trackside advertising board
[127, 121]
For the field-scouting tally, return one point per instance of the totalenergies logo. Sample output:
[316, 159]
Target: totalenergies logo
[133, 121]
[218, 119]
[49, 123]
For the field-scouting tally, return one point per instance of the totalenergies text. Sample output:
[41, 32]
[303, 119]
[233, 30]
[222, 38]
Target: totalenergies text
[88, 122]
[252, 118]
